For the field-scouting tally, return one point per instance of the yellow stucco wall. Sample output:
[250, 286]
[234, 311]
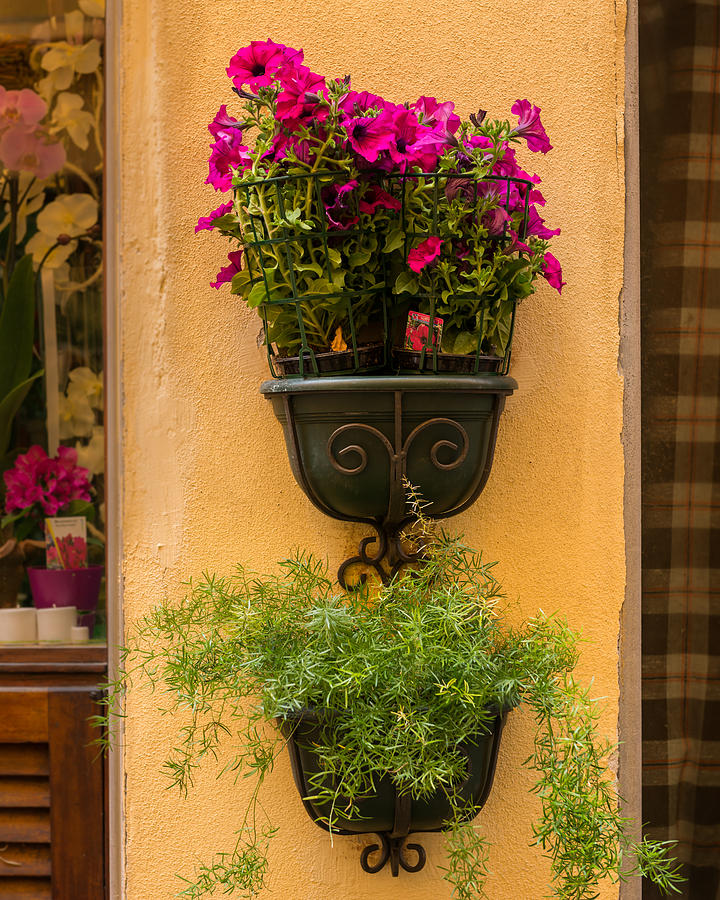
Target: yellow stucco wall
[206, 479]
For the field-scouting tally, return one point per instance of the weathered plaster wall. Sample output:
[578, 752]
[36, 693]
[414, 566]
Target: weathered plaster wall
[206, 480]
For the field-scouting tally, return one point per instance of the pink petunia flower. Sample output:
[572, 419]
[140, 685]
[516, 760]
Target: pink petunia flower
[227, 153]
[414, 144]
[222, 122]
[376, 198]
[369, 135]
[424, 253]
[258, 64]
[300, 96]
[530, 127]
[205, 223]
[552, 272]
[31, 151]
[24, 108]
[536, 225]
[355, 104]
[439, 116]
[226, 273]
[338, 210]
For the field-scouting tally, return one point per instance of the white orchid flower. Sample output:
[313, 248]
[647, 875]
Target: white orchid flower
[92, 454]
[74, 26]
[58, 80]
[81, 58]
[68, 115]
[91, 384]
[68, 214]
[77, 418]
[34, 193]
[95, 9]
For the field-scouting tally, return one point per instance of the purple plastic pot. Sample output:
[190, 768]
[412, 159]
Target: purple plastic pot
[68, 587]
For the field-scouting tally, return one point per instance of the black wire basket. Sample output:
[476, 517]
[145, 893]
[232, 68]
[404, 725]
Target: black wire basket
[316, 274]
[437, 189]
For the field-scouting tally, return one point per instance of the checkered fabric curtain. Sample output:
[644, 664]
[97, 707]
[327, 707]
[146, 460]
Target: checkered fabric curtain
[680, 202]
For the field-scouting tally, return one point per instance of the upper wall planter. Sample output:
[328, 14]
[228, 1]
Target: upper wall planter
[351, 442]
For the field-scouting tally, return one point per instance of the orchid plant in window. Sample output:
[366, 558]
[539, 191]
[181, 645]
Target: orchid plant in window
[343, 207]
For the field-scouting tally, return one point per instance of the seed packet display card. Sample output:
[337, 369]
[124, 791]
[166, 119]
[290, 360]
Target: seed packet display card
[66, 542]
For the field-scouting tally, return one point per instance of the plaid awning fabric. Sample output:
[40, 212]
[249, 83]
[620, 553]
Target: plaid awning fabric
[680, 205]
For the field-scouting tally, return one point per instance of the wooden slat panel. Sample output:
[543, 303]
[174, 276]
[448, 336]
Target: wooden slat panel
[24, 791]
[17, 860]
[26, 889]
[23, 716]
[77, 795]
[24, 759]
[24, 825]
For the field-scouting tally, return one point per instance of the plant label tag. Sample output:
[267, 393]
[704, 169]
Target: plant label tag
[66, 542]
[418, 327]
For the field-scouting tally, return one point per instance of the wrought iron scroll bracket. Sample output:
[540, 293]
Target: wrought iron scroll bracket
[390, 555]
[392, 850]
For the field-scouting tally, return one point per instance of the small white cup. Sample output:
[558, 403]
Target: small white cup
[18, 626]
[56, 624]
[79, 634]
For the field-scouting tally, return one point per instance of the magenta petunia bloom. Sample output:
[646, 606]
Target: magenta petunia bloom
[355, 104]
[222, 122]
[205, 223]
[257, 65]
[530, 127]
[376, 198]
[226, 273]
[424, 253]
[552, 272]
[536, 226]
[495, 221]
[227, 153]
[369, 136]
[300, 97]
[284, 146]
[51, 484]
[439, 116]
[516, 243]
[414, 144]
[338, 204]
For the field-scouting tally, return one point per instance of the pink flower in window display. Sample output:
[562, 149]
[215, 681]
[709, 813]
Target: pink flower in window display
[205, 223]
[227, 153]
[424, 253]
[552, 272]
[530, 127]
[226, 273]
[24, 108]
[255, 65]
[31, 151]
[53, 483]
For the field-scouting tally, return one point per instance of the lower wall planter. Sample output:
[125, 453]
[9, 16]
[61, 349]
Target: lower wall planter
[388, 813]
[352, 441]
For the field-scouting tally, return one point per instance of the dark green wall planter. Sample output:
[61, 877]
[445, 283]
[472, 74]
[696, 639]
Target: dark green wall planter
[390, 815]
[352, 440]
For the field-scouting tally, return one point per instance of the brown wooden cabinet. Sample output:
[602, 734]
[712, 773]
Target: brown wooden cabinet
[52, 778]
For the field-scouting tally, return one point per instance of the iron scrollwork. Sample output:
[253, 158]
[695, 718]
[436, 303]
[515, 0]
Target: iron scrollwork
[390, 553]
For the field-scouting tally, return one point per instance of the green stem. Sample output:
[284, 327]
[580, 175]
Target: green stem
[12, 234]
